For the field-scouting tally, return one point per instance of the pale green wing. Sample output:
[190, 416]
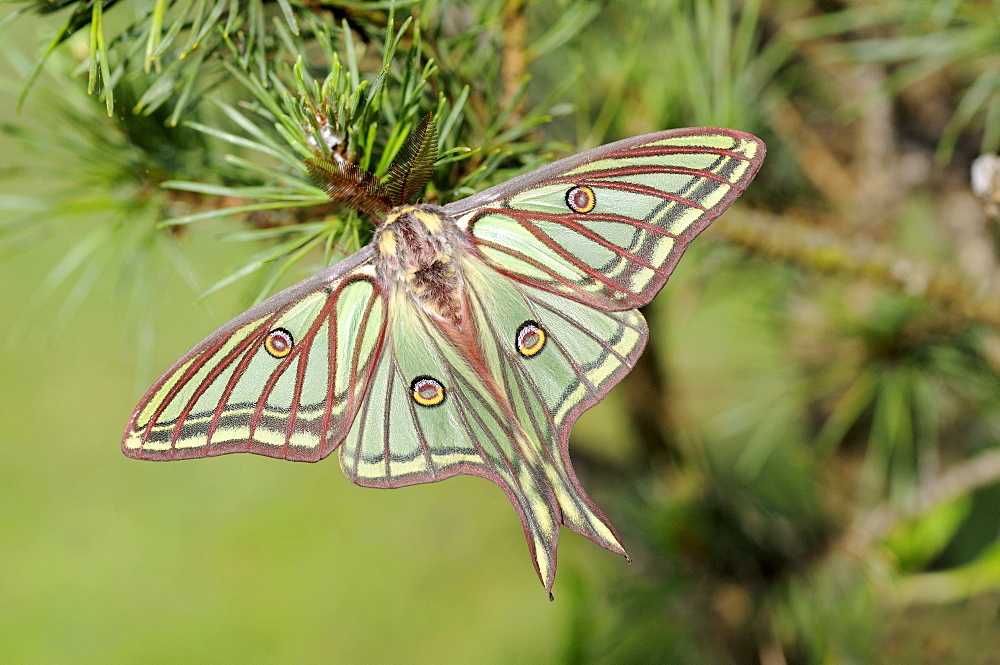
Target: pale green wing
[584, 352]
[607, 226]
[401, 437]
[502, 414]
[284, 379]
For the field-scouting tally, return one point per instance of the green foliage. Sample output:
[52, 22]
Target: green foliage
[916, 544]
[807, 452]
[922, 40]
[304, 87]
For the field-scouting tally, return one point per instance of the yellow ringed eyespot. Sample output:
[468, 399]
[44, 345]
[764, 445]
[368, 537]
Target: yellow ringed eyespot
[427, 391]
[530, 339]
[279, 342]
[580, 198]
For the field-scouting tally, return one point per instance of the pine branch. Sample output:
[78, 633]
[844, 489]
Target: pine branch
[942, 285]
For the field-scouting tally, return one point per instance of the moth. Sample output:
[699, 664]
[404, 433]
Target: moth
[465, 338]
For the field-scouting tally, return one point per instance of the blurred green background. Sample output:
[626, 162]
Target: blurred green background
[804, 467]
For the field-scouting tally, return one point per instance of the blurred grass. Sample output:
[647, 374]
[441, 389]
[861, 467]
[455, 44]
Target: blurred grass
[237, 559]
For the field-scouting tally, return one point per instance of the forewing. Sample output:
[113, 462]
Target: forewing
[607, 226]
[284, 379]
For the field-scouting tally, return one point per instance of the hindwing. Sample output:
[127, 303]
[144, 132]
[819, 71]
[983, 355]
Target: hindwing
[505, 412]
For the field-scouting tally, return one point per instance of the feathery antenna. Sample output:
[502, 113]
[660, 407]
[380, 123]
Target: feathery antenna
[360, 189]
[350, 184]
[414, 163]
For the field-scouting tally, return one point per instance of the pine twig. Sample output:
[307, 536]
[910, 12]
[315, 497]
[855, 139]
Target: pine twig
[861, 258]
[874, 525]
[513, 61]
